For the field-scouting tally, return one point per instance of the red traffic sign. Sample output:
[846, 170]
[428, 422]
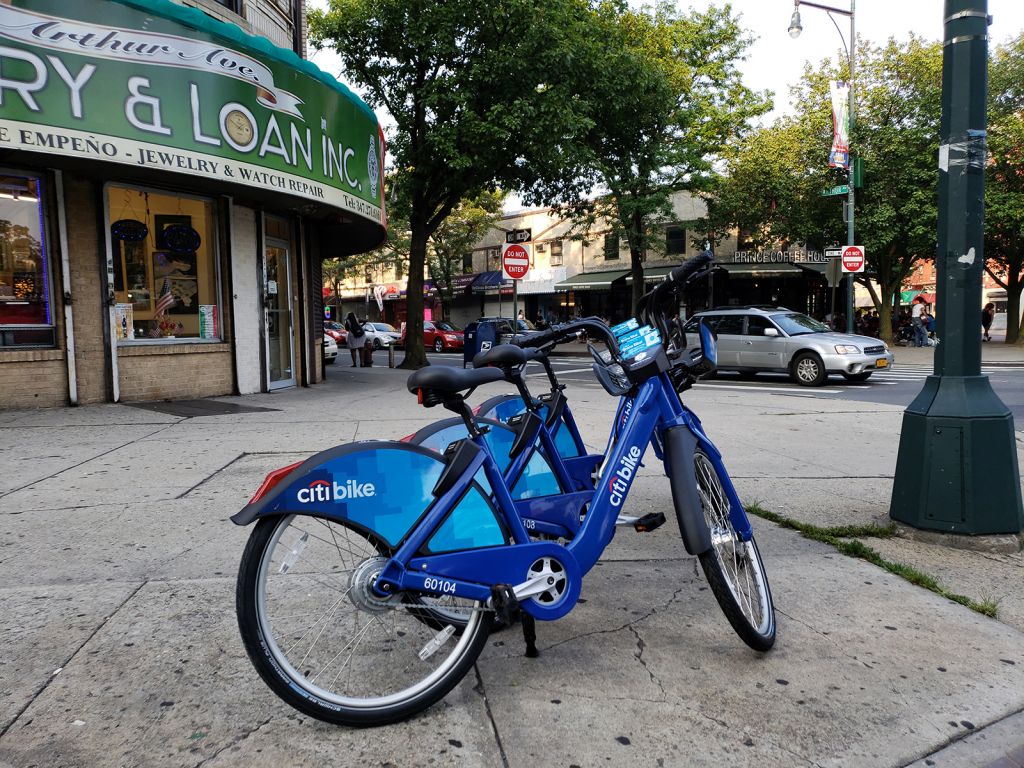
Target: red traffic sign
[515, 261]
[853, 258]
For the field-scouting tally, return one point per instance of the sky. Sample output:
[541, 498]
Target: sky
[775, 61]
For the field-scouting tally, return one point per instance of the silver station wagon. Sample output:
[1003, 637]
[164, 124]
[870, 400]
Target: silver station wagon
[775, 339]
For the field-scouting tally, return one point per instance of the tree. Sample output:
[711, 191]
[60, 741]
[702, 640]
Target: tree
[483, 96]
[469, 221]
[774, 181]
[672, 98]
[1004, 179]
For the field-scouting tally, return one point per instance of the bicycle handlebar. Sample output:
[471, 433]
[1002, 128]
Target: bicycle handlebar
[594, 326]
[685, 270]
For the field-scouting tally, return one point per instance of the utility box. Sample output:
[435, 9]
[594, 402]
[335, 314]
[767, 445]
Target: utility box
[478, 337]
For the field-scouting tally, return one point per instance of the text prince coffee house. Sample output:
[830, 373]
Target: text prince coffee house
[168, 188]
[793, 278]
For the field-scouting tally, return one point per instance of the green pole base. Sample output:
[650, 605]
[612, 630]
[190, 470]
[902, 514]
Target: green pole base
[957, 470]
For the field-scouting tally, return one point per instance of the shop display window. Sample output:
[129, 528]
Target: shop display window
[26, 314]
[163, 268]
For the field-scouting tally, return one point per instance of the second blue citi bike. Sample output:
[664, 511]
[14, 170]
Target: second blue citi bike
[353, 549]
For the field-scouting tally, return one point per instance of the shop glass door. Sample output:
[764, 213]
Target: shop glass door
[278, 300]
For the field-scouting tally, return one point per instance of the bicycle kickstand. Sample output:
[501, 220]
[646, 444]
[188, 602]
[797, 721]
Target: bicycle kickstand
[530, 635]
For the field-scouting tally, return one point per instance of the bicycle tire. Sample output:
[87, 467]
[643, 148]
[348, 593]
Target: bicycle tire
[279, 556]
[733, 567]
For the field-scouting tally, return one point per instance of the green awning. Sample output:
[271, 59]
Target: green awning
[756, 270]
[591, 281]
[654, 274]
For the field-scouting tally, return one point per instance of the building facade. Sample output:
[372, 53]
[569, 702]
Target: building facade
[168, 186]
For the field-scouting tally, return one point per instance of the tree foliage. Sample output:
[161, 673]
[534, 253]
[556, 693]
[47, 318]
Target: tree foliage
[483, 96]
[470, 220]
[669, 99]
[773, 183]
[1004, 179]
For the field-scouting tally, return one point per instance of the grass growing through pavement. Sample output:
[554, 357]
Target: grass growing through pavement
[844, 538]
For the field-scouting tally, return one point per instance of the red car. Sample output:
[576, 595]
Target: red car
[337, 332]
[438, 336]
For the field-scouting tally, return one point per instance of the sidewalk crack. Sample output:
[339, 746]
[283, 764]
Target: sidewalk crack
[91, 458]
[481, 691]
[234, 742]
[823, 634]
[71, 658]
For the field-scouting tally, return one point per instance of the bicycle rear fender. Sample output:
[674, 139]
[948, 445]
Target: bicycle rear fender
[382, 487]
[680, 444]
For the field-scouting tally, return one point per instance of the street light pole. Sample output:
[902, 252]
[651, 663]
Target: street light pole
[956, 470]
[795, 28]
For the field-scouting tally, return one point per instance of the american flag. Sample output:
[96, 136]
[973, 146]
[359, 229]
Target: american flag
[166, 300]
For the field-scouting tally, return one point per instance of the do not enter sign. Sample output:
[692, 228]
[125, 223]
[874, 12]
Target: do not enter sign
[853, 258]
[515, 261]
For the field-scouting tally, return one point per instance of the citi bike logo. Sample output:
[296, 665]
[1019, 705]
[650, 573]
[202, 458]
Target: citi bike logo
[321, 490]
[619, 483]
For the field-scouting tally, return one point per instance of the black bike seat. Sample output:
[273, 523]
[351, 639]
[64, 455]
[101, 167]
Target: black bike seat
[447, 380]
[502, 356]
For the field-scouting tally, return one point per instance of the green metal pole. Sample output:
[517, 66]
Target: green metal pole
[957, 465]
[850, 236]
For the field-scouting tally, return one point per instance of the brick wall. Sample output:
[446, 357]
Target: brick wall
[174, 371]
[33, 378]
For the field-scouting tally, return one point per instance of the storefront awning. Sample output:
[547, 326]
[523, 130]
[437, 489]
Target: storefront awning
[654, 274]
[253, 125]
[753, 271]
[491, 281]
[591, 281]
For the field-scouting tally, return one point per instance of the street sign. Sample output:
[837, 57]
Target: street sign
[834, 272]
[515, 260]
[853, 258]
[841, 189]
[519, 236]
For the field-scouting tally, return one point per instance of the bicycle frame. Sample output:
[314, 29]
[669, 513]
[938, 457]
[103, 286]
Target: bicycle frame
[473, 574]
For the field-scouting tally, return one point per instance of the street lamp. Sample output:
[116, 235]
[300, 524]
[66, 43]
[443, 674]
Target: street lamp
[795, 28]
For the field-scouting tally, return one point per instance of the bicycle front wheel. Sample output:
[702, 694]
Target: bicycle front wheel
[323, 640]
[732, 566]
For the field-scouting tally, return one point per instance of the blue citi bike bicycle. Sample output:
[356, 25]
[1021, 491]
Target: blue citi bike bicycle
[371, 579]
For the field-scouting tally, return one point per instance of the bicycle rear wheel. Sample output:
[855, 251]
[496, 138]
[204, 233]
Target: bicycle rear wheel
[733, 567]
[327, 644]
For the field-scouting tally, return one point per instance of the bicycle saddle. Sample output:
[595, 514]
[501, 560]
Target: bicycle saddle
[447, 380]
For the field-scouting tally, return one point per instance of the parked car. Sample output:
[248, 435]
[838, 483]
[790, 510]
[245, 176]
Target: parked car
[330, 350]
[336, 331]
[439, 336]
[505, 326]
[380, 334]
[755, 339]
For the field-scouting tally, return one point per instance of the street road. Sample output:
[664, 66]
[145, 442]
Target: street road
[898, 386]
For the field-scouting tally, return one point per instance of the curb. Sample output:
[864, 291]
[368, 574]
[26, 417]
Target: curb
[998, 544]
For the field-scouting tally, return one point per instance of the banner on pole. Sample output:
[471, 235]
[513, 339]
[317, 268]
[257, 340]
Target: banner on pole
[839, 157]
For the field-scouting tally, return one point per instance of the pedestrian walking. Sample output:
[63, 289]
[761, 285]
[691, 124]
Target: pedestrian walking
[988, 314]
[356, 338]
[920, 334]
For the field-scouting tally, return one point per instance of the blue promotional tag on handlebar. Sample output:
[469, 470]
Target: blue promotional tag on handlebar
[642, 343]
[628, 339]
[623, 328]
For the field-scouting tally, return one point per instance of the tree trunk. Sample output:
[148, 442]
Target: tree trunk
[637, 246]
[415, 355]
[636, 269]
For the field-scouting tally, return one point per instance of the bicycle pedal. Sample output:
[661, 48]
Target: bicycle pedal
[649, 522]
[506, 605]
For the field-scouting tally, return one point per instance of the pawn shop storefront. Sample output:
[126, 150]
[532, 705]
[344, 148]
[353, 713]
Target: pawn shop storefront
[168, 188]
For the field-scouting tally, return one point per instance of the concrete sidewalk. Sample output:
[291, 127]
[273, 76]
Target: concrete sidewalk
[120, 646]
